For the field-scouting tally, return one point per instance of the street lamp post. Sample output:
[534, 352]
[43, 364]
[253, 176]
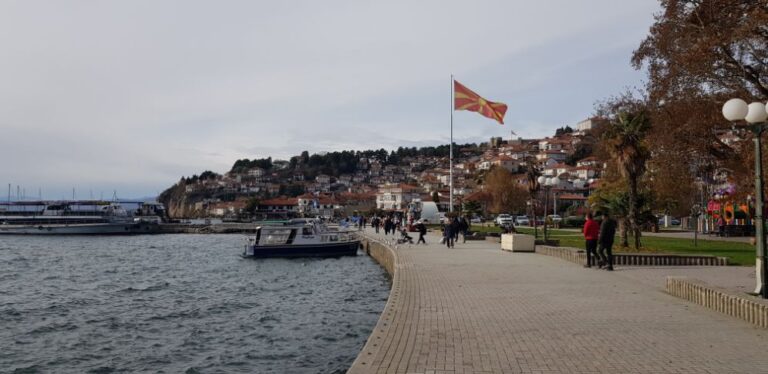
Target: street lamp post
[547, 184]
[543, 183]
[755, 114]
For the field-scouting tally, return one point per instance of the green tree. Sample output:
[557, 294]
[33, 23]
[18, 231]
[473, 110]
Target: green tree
[252, 205]
[472, 208]
[563, 131]
[625, 140]
[532, 175]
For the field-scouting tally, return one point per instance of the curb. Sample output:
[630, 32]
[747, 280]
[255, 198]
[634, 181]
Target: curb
[744, 307]
[578, 256]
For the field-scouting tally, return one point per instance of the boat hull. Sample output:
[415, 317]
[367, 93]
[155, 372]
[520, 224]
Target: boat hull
[74, 229]
[307, 250]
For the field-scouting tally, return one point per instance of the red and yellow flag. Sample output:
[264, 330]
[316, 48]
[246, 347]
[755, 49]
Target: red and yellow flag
[466, 99]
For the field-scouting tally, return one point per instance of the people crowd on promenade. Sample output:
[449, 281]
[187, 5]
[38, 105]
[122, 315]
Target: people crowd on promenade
[598, 237]
[599, 241]
[450, 228]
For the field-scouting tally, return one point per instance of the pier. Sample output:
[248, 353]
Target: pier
[477, 309]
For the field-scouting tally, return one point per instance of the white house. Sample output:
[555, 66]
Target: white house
[396, 197]
[256, 172]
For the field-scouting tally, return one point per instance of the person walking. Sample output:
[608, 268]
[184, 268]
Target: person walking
[448, 235]
[464, 228]
[607, 233]
[591, 232]
[422, 228]
[455, 228]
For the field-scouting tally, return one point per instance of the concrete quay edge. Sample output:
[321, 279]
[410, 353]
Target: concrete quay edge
[387, 258]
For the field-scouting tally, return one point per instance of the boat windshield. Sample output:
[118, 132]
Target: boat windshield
[275, 237]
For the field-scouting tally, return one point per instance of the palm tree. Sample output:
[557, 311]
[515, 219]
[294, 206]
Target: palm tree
[617, 204]
[625, 141]
[532, 176]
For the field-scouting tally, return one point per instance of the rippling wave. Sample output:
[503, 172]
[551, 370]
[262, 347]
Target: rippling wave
[179, 303]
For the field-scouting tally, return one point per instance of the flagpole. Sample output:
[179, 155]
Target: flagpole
[450, 148]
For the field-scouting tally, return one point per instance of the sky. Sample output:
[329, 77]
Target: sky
[126, 97]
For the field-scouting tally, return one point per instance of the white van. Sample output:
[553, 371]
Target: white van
[503, 220]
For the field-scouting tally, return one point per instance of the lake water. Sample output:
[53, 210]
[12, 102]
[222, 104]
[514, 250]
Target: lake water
[179, 303]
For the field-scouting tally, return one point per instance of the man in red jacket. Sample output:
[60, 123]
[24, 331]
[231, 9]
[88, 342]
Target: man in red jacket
[591, 234]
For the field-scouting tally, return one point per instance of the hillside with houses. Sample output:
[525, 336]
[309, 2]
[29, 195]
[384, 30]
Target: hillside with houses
[342, 183]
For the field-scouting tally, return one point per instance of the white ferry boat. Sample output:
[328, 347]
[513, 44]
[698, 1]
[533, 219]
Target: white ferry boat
[65, 217]
[301, 238]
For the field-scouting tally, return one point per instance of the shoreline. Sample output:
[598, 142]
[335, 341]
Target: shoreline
[386, 257]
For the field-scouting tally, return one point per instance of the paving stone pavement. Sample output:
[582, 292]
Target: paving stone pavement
[476, 309]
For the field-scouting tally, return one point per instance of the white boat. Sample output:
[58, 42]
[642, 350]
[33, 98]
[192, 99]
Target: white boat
[301, 238]
[65, 218]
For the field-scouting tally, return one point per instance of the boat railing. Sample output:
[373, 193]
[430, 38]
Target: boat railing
[54, 221]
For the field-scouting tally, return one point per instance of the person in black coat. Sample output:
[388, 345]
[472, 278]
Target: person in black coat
[422, 228]
[463, 227]
[605, 241]
[455, 229]
[448, 235]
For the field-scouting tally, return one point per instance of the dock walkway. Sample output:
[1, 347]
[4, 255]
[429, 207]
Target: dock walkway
[476, 309]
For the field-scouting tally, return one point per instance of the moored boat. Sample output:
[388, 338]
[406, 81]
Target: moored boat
[65, 218]
[301, 238]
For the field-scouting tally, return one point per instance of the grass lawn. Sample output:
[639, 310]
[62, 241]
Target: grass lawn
[737, 253]
[485, 229]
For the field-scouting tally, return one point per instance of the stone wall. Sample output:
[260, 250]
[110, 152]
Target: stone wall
[381, 253]
[387, 258]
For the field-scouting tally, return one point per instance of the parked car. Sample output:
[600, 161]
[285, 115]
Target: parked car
[503, 220]
[522, 220]
[476, 220]
[672, 221]
[555, 218]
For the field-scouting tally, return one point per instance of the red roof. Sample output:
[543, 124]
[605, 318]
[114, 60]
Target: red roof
[408, 187]
[282, 200]
[478, 196]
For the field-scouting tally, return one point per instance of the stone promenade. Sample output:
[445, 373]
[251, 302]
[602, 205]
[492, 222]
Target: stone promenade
[476, 309]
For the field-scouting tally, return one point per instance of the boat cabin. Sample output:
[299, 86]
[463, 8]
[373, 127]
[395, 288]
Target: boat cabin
[303, 232]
